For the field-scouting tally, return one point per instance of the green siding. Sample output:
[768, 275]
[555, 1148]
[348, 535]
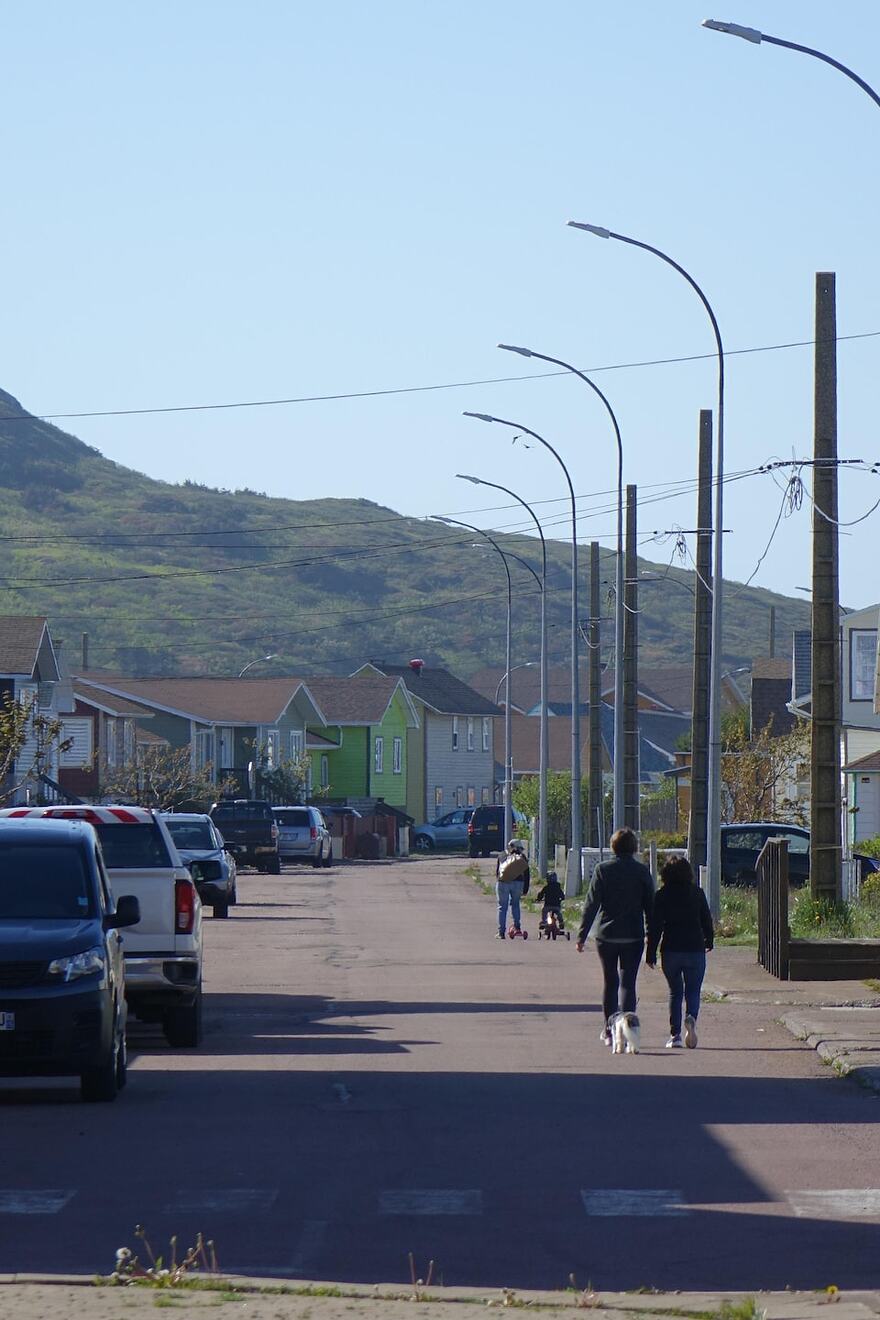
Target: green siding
[352, 766]
[172, 727]
[388, 785]
[348, 763]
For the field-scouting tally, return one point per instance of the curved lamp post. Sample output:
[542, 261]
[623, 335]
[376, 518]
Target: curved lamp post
[756, 38]
[713, 843]
[259, 660]
[508, 803]
[544, 748]
[618, 606]
[576, 832]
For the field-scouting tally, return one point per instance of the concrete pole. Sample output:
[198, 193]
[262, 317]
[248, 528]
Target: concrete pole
[594, 834]
[575, 871]
[699, 817]
[631, 670]
[825, 764]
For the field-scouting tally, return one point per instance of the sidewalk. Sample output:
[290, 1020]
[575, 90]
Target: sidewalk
[68, 1299]
[838, 1019]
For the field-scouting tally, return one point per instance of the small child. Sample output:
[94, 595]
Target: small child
[552, 896]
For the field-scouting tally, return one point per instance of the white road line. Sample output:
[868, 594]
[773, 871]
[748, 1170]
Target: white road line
[225, 1200]
[431, 1201]
[14, 1202]
[837, 1203]
[311, 1240]
[651, 1202]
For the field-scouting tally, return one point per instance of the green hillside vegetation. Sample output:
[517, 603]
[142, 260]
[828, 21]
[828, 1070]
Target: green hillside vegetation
[208, 579]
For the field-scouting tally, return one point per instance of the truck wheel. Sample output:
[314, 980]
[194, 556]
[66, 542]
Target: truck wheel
[328, 860]
[221, 909]
[101, 1084]
[274, 867]
[183, 1026]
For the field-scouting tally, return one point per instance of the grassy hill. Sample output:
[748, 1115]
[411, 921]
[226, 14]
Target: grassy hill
[185, 579]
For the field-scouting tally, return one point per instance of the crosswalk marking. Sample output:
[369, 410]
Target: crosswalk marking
[431, 1201]
[47, 1202]
[224, 1200]
[837, 1203]
[619, 1202]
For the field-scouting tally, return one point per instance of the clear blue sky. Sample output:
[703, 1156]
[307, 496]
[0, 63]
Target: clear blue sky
[211, 201]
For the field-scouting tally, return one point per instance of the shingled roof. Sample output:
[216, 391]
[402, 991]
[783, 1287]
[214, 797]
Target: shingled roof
[234, 701]
[21, 637]
[439, 690]
[362, 699]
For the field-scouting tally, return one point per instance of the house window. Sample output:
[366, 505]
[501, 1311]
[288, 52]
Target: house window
[397, 755]
[78, 731]
[379, 758]
[325, 770]
[470, 733]
[486, 728]
[204, 748]
[459, 795]
[455, 733]
[862, 663]
[296, 744]
[272, 747]
[471, 796]
[484, 794]
[438, 798]
[110, 741]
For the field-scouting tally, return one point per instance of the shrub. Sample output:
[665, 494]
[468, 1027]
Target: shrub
[868, 847]
[663, 840]
[821, 918]
[870, 891]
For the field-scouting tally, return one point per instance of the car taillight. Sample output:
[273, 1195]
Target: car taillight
[470, 827]
[313, 833]
[184, 906]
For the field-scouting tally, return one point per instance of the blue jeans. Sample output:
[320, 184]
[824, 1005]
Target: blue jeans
[509, 892]
[684, 973]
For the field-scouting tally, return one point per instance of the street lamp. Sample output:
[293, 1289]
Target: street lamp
[259, 660]
[508, 787]
[619, 791]
[544, 731]
[756, 38]
[713, 840]
[526, 664]
[575, 852]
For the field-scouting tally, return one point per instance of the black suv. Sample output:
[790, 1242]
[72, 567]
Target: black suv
[486, 830]
[62, 978]
[741, 845]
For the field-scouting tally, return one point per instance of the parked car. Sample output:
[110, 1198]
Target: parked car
[303, 835]
[163, 951]
[485, 830]
[62, 976]
[198, 841]
[741, 846]
[449, 831]
[250, 831]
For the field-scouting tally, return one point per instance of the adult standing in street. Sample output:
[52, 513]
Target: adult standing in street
[681, 925]
[511, 882]
[620, 899]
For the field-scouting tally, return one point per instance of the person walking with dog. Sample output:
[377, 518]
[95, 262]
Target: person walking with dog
[681, 927]
[620, 899]
[511, 882]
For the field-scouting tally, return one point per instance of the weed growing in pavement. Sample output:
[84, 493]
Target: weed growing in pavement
[584, 1298]
[747, 1309]
[198, 1259]
[419, 1286]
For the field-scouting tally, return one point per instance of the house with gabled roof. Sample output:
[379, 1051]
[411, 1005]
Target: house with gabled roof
[452, 750]
[101, 730]
[368, 718]
[31, 673]
[229, 723]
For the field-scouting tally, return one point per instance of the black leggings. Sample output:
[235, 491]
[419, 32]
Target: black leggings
[620, 967]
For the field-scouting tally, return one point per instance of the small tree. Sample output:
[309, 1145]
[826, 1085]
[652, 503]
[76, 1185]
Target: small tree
[288, 780]
[760, 774]
[526, 793]
[161, 777]
[21, 721]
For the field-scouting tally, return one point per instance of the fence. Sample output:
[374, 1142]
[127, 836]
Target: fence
[773, 937]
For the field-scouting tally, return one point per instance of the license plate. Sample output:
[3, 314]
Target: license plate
[492, 827]
[7, 1022]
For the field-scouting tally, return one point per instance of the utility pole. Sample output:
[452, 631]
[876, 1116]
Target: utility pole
[595, 834]
[825, 806]
[699, 817]
[631, 785]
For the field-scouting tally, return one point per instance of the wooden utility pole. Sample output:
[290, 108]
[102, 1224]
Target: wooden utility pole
[699, 817]
[825, 805]
[631, 784]
[595, 835]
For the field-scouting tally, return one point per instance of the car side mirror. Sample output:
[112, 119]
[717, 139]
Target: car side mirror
[128, 913]
[207, 870]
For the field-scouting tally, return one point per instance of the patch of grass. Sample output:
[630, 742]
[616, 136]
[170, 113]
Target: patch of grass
[738, 922]
[747, 1309]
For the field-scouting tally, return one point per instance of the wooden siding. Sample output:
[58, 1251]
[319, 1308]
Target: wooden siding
[450, 769]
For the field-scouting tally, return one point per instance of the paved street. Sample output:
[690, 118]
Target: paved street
[381, 1076]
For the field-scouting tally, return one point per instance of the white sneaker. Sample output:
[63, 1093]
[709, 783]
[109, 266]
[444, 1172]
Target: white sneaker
[605, 1036]
[690, 1032]
[674, 1043]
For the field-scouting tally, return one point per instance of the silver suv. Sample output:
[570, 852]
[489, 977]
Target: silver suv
[303, 835]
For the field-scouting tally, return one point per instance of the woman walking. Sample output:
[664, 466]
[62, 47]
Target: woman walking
[681, 925]
[621, 895]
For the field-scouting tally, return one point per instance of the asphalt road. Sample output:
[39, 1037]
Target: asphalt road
[381, 1076]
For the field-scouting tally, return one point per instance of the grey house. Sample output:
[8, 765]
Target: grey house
[451, 755]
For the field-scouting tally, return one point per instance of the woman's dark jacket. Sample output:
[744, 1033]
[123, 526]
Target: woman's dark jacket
[622, 894]
[681, 921]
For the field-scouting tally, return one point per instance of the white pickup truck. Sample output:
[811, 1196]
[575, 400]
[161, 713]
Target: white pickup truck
[163, 951]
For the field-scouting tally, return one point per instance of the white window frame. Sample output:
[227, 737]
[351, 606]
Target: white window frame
[470, 733]
[455, 733]
[471, 796]
[484, 794]
[379, 755]
[486, 733]
[297, 744]
[81, 729]
[273, 748]
[459, 795]
[325, 770]
[438, 797]
[397, 756]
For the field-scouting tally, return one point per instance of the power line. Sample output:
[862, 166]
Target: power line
[414, 389]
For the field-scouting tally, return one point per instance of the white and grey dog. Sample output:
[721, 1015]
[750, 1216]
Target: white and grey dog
[625, 1033]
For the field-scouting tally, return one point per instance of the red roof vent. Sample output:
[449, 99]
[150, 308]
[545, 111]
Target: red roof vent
[417, 666]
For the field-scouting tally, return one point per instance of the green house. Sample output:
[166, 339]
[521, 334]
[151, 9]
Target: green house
[360, 751]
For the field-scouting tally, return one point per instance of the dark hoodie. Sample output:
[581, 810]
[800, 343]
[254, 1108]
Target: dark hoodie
[681, 921]
[622, 893]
